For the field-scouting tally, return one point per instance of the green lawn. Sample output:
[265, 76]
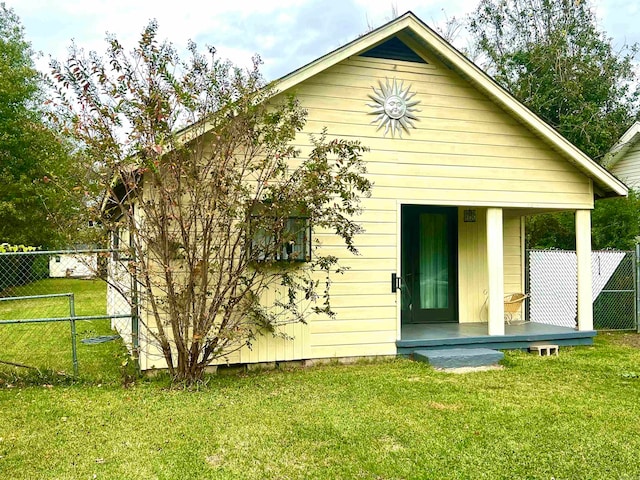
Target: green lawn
[571, 417]
[90, 299]
[47, 346]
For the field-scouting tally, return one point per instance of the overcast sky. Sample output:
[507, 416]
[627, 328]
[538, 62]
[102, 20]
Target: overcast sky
[286, 33]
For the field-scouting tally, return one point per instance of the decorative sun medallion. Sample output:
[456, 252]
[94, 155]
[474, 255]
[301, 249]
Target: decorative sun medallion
[393, 107]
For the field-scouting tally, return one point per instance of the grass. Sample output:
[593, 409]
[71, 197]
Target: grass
[570, 417]
[47, 346]
[90, 299]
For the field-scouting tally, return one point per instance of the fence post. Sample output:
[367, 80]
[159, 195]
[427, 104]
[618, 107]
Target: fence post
[636, 284]
[527, 285]
[72, 319]
[135, 313]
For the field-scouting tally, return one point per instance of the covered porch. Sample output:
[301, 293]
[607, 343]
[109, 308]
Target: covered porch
[457, 263]
[457, 297]
[438, 336]
[495, 265]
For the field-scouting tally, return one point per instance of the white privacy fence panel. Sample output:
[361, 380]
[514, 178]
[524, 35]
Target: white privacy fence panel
[553, 288]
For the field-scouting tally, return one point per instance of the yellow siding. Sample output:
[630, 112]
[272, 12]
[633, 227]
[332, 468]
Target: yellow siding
[290, 343]
[354, 350]
[513, 274]
[269, 348]
[472, 267]
[464, 150]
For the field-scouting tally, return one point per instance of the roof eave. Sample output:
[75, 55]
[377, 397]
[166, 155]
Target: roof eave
[622, 146]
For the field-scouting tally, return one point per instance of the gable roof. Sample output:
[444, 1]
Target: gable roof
[419, 37]
[627, 141]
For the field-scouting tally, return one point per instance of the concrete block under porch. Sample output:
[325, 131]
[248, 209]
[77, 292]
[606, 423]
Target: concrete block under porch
[439, 336]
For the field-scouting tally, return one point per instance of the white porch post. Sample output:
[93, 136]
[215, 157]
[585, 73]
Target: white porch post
[583, 253]
[496, 271]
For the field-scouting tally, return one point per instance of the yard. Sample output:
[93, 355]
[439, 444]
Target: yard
[47, 346]
[574, 416]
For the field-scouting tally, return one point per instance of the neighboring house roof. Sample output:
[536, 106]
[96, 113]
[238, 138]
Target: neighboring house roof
[623, 160]
[626, 142]
[419, 37]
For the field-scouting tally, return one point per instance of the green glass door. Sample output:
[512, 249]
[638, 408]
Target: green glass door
[429, 264]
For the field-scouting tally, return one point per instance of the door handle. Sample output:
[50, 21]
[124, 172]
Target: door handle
[395, 282]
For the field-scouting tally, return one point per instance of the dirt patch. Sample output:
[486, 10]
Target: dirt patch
[444, 406]
[628, 339]
[471, 369]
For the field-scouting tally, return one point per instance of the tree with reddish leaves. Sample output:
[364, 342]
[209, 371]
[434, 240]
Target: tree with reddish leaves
[197, 165]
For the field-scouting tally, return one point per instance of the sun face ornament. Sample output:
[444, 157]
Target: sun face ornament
[393, 107]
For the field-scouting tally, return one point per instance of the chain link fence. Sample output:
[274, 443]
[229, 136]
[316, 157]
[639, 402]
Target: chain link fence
[552, 287]
[59, 314]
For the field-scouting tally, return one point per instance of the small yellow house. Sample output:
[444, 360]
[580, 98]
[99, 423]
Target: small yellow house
[457, 164]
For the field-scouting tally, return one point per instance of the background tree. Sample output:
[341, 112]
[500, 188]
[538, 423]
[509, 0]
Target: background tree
[552, 57]
[197, 165]
[31, 209]
[615, 224]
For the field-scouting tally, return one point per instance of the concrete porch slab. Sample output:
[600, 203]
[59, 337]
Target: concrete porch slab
[474, 335]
